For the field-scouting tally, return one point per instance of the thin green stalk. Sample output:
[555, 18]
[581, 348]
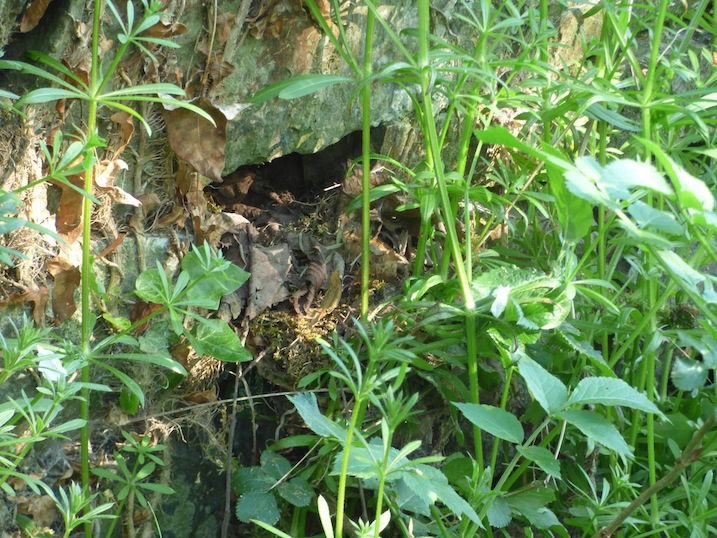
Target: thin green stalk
[86, 270]
[366, 148]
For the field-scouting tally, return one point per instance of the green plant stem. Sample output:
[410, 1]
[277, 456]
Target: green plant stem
[366, 164]
[87, 324]
[689, 455]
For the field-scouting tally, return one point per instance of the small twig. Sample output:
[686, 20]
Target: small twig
[230, 441]
[689, 455]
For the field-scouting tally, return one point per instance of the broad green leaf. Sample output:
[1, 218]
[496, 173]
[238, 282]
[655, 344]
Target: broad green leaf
[149, 286]
[679, 268]
[215, 338]
[689, 374]
[648, 217]
[494, 420]
[610, 391]
[251, 479]
[620, 176]
[431, 484]
[502, 136]
[308, 408]
[530, 505]
[543, 458]
[547, 389]
[212, 278]
[499, 513]
[574, 213]
[297, 491]
[274, 465]
[597, 428]
[583, 180]
[261, 506]
[692, 193]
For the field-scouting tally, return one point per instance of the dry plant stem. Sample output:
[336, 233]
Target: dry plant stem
[689, 455]
[230, 442]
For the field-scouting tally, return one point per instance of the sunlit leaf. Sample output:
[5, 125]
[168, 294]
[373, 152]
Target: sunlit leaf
[494, 420]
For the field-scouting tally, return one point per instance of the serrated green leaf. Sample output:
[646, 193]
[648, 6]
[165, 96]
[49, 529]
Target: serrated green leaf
[597, 428]
[261, 506]
[432, 485]
[274, 465]
[494, 420]
[547, 389]
[251, 479]
[649, 217]
[610, 391]
[543, 458]
[297, 491]
[499, 513]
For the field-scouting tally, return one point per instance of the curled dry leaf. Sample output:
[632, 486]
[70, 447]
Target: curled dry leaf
[69, 211]
[33, 14]
[104, 181]
[165, 29]
[125, 122]
[195, 140]
[218, 68]
[267, 285]
[63, 292]
[141, 310]
[225, 23]
[314, 279]
[38, 297]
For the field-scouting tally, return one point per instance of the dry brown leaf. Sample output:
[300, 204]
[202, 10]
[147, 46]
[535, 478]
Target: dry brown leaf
[195, 140]
[314, 279]
[165, 29]
[205, 396]
[219, 69]
[176, 217]
[41, 508]
[125, 121]
[69, 212]
[38, 297]
[267, 285]
[225, 24]
[33, 14]
[63, 294]
[141, 310]
[104, 181]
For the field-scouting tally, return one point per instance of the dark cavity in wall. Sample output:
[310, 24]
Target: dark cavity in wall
[294, 176]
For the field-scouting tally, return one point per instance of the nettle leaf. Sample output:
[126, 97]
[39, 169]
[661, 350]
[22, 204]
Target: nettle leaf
[251, 479]
[215, 338]
[274, 465]
[494, 420]
[308, 408]
[547, 389]
[542, 457]
[597, 428]
[432, 485]
[499, 513]
[574, 213]
[296, 491]
[532, 505]
[260, 506]
[610, 391]
[689, 374]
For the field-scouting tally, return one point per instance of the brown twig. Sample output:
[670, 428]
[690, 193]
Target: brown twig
[689, 455]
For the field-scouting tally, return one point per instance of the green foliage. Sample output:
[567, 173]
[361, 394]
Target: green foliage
[257, 488]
